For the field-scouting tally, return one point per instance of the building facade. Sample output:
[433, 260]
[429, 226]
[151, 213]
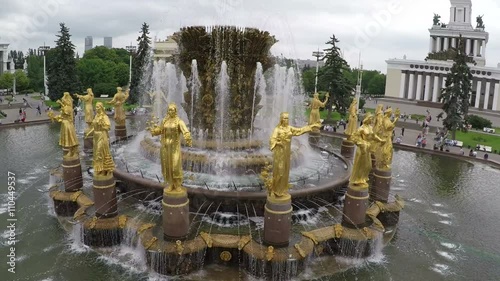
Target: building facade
[89, 43]
[422, 80]
[6, 62]
[165, 49]
[108, 42]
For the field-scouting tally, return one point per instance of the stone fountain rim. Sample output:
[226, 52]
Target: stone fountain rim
[252, 195]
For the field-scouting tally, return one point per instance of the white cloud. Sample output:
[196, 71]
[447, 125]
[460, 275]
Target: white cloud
[372, 27]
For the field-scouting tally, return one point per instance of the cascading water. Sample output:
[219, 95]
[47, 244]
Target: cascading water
[195, 86]
[259, 89]
[222, 91]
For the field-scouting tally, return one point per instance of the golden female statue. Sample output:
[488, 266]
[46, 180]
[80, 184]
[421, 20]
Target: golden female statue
[67, 138]
[316, 104]
[353, 119]
[362, 165]
[384, 154]
[280, 144]
[103, 161]
[171, 129]
[88, 100]
[118, 101]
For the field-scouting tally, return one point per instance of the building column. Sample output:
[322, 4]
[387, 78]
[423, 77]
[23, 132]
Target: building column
[427, 86]
[444, 82]
[438, 44]
[495, 96]
[431, 45]
[475, 47]
[418, 93]
[453, 42]
[411, 86]
[403, 84]
[478, 94]
[484, 49]
[446, 43]
[436, 90]
[486, 95]
[467, 46]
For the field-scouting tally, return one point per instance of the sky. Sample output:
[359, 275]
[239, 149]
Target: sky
[378, 29]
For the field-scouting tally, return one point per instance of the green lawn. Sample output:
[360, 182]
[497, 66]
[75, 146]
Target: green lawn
[473, 138]
[324, 113]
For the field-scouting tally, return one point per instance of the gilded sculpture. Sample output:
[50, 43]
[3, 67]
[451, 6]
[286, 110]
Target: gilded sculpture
[353, 119]
[280, 144]
[362, 165]
[171, 129]
[377, 127]
[384, 154]
[316, 104]
[67, 138]
[102, 159]
[88, 100]
[119, 101]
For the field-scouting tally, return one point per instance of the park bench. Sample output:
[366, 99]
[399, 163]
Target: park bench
[483, 148]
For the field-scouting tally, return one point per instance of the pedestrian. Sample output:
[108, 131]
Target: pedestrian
[486, 156]
[403, 131]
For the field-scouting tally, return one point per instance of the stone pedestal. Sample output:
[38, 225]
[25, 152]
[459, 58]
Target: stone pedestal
[120, 132]
[355, 206]
[72, 174]
[347, 149]
[105, 196]
[277, 221]
[175, 215]
[381, 185]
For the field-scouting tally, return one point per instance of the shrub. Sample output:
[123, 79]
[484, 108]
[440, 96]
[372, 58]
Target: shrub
[104, 89]
[478, 122]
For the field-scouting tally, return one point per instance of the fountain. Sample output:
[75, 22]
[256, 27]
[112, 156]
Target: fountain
[226, 196]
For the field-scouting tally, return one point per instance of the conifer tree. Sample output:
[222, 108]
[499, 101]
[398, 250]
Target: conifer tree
[139, 62]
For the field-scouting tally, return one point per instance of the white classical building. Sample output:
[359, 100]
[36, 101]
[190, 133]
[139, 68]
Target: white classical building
[165, 49]
[6, 63]
[423, 80]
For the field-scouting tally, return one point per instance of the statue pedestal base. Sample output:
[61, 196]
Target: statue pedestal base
[65, 208]
[175, 215]
[347, 149]
[381, 185]
[105, 196]
[355, 206]
[120, 132]
[277, 221]
[72, 174]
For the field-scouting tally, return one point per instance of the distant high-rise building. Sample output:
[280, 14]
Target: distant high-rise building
[89, 43]
[108, 42]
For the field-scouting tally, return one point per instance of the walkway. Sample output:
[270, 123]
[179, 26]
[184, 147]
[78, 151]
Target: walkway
[12, 111]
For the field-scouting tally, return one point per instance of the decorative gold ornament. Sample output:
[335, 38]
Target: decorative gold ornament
[244, 240]
[338, 229]
[93, 223]
[179, 247]
[270, 253]
[102, 160]
[311, 236]
[280, 144]
[145, 227]
[384, 155]
[352, 124]
[225, 256]
[122, 221]
[300, 251]
[207, 238]
[75, 195]
[150, 243]
[319, 249]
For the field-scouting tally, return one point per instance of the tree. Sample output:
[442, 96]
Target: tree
[22, 81]
[6, 80]
[376, 86]
[18, 58]
[335, 74]
[139, 62]
[35, 71]
[455, 95]
[308, 80]
[61, 70]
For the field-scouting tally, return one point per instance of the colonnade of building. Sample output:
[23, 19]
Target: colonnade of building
[426, 86]
[473, 47]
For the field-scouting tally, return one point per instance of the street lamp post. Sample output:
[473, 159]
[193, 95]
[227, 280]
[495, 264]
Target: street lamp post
[131, 49]
[318, 55]
[44, 49]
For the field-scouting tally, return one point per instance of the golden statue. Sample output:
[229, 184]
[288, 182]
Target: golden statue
[119, 101]
[353, 119]
[280, 144]
[384, 154]
[88, 100]
[103, 161]
[362, 165]
[316, 104]
[67, 138]
[170, 130]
